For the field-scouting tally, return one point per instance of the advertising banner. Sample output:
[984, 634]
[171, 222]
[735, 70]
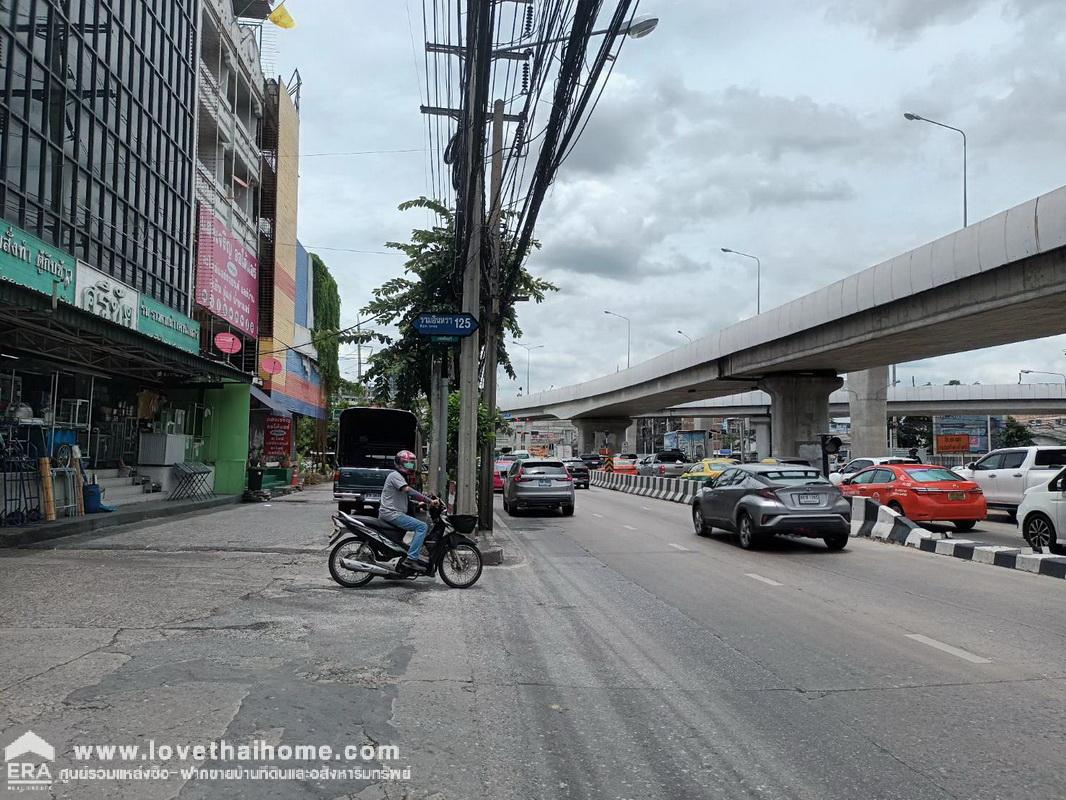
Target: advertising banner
[100, 294]
[277, 437]
[167, 325]
[29, 262]
[227, 275]
[953, 443]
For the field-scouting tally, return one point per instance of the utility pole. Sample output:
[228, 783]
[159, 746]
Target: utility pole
[491, 326]
[479, 25]
[438, 450]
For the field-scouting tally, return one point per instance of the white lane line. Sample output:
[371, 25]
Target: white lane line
[678, 547]
[646, 508]
[757, 577]
[947, 648]
[597, 515]
[629, 527]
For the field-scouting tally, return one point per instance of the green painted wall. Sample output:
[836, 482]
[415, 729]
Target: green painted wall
[227, 445]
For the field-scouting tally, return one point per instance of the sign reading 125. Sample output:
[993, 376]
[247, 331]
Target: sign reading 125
[433, 324]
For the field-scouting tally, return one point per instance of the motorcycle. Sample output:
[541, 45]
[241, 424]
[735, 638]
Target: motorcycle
[365, 547]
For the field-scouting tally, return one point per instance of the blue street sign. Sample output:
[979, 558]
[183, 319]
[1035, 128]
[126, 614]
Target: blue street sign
[432, 324]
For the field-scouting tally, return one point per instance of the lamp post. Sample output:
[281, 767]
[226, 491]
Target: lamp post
[1040, 372]
[528, 348]
[636, 28]
[685, 335]
[917, 118]
[629, 333]
[758, 276]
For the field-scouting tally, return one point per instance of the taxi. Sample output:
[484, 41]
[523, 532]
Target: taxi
[708, 468]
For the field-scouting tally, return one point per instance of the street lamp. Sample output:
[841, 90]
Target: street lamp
[758, 277]
[685, 335]
[636, 28]
[1040, 372]
[528, 348]
[629, 333]
[917, 118]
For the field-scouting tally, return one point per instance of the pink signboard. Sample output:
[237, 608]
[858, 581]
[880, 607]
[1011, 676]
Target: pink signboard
[227, 275]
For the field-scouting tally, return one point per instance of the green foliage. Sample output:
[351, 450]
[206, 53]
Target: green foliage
[915, 432]
[1015, 434]
[954, 382]
[488, 423]
[400, 370]
[327, 311]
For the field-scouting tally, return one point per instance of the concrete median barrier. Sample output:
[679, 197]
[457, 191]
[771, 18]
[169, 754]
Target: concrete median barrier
[674, 490]
[870, 519]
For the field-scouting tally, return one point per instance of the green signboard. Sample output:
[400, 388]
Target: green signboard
[164, 323]
[29, 262]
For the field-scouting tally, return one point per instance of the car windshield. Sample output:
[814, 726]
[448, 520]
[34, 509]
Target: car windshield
[933, 474]
[794, 477]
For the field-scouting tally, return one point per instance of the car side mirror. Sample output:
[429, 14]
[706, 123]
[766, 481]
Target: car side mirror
[972, 465]
[709, 483]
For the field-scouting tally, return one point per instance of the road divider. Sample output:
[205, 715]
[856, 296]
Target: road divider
[870, 519]
[674, 490]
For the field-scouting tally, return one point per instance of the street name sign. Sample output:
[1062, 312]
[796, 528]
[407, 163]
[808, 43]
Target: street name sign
[431, 324]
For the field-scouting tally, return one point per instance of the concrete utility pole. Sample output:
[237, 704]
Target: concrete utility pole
[438, 450]
[491, 326]
[469, 352]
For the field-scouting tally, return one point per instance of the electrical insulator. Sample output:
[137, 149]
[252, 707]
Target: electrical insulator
[525, 76]
[529, 20]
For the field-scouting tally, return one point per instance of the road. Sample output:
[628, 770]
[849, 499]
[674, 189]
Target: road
[615, 654]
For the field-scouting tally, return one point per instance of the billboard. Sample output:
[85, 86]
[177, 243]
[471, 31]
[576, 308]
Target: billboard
[277, 437]
[227, 275]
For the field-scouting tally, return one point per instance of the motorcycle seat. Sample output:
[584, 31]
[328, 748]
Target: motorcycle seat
[393, 532]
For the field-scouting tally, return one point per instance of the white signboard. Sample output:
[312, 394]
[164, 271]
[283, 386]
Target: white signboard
[100, 294]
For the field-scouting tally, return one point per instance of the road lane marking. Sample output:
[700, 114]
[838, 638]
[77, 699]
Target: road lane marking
[629, 527]
[756, 577]
[597, 515]
[646, 508]
[678, 547]
[947, 648]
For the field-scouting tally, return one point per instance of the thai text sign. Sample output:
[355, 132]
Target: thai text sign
[164, 323]
[227, 275]
[953, 443]
[29, 262]
[103, 296]
[277, 436]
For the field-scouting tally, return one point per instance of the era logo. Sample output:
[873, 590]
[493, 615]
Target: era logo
[27, 774]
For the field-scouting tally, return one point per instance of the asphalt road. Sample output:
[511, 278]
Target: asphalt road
[614, 655]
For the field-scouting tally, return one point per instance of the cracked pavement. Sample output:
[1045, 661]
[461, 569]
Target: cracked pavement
[613, 655]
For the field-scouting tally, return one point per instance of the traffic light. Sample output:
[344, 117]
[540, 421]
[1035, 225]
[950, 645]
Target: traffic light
[830, 446]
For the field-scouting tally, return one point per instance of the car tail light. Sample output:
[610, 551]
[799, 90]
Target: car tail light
[568, 477]
[336, 475]
[662, 469]
[518, 478]
[976, 490]
[769, 494]
[922, 490]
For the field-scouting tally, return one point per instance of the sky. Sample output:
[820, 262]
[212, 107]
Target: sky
[773, 127]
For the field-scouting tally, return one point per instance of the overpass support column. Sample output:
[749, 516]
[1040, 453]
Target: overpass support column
[762, 436]
[799, 412]
[868, 404]
[592, 434]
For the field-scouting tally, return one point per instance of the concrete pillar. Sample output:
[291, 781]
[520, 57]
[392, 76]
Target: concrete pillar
[868, 404]
[800, 411]
[592, 434]
[762, 436]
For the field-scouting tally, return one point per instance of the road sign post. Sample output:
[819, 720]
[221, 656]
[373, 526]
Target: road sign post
[452, 326]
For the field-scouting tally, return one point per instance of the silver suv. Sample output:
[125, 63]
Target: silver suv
[665, 464]
[537, 483]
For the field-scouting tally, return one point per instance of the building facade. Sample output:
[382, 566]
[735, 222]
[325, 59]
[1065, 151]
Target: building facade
[101, 352]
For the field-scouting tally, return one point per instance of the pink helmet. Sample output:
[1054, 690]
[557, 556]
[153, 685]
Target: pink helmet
[406, 461]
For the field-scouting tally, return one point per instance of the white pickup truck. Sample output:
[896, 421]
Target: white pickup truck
[1005, 474]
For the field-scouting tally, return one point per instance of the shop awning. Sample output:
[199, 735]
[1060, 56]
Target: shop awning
[29, 325]
[274, 405]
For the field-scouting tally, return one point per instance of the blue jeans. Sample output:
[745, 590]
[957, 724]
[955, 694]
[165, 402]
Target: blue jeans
[411, 524]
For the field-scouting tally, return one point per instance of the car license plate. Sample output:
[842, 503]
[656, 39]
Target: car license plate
[371, 496]
[544, 483]
[956, 495]
[810, 499]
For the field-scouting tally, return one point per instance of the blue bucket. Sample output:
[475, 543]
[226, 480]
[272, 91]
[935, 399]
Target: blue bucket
[93, 495]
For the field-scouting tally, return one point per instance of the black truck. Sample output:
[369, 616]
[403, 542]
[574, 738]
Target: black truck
[368, 440]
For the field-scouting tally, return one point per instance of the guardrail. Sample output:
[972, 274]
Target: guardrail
[675, 490]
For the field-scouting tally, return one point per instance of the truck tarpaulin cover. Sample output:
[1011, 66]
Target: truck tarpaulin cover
[370, 437]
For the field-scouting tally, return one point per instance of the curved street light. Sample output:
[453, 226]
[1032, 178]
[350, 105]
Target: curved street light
[1040, 372]
[918, 118]
[685, 335]
[529, 348]
[758, 276]
[629, 333]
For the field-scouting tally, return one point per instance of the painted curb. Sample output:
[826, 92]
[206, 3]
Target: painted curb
[871, 520]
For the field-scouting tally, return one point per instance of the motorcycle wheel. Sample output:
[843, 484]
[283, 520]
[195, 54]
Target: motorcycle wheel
[350, 578]
[460, 567]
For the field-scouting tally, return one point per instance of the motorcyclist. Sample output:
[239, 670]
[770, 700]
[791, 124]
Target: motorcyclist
[394, 499]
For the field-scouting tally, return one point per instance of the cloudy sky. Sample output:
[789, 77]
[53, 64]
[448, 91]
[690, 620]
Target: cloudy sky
[775, 127]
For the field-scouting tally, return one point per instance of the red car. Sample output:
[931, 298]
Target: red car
[499, 470]
[921, 492]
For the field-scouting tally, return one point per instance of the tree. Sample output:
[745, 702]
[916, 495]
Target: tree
[400, 371]
[1015, 434]
[954, 382]
[915, 432]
